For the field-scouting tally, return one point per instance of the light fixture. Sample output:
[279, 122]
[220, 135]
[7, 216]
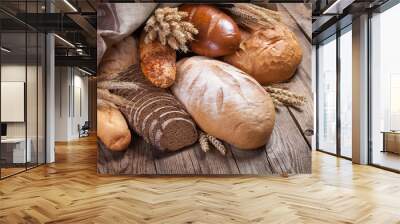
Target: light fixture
[5, 50]
[84, 71]
[65, 41]
[70, 5]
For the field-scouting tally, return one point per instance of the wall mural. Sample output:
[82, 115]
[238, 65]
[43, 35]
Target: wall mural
[196, 89]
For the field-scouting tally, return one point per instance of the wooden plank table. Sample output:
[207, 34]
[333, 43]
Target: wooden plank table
[288, 151]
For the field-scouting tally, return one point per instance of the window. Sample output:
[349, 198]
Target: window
[385, 89]
[346, 75]
[335, 74]
[22, 78]
[327, 96]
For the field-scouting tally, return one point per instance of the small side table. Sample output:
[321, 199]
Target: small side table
[391, 141]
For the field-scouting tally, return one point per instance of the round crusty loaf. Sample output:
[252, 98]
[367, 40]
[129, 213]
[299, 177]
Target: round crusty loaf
[218, 34]
[112, 129]
[225, 102]
[268, 55]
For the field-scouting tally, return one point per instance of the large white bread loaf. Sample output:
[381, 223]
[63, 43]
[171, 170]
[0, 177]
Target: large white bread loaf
[225, 102]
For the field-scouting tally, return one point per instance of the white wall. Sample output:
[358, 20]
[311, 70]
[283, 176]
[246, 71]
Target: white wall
[82, 82]
[61, 103]
[70, 83]
[33, 127]
[16, 73]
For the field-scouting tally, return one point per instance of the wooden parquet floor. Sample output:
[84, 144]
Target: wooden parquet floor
[70, 191]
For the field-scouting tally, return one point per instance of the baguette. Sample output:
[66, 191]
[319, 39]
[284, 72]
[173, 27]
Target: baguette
[112, 128]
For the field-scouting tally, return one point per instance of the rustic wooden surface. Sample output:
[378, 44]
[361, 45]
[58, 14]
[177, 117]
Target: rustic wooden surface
[288, 151]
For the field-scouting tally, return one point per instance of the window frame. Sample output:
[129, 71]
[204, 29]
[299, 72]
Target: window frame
[338, 34]
[380, 9]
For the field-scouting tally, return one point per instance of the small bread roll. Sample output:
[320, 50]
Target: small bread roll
[268, 55]
[218, 34]
[112, 128]
[158, 63]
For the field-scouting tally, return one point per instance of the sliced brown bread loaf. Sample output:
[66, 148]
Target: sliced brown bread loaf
[167, 125]
[155, 120]
[163, 115]
[155, 114]
[148, 111]
[150, 104]
[152, 118]
[172, 131]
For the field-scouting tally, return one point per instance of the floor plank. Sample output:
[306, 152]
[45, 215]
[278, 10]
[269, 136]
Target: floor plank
[71, 191]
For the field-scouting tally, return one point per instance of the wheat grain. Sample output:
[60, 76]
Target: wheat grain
[167, 23]
[217, 144]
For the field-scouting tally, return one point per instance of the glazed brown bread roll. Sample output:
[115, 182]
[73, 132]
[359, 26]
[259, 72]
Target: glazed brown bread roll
[112, 129]
[268, 55]
[225, 102]
[218, 34]
[157, 62]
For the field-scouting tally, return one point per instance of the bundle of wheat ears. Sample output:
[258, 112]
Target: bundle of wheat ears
[168, 27]
[283, 97]
[206, 139]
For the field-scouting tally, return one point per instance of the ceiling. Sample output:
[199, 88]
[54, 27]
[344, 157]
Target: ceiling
[72, 20]
[332, 15]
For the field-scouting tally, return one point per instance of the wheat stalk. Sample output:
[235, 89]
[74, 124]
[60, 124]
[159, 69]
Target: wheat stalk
[206, 139]
[217, 144]
[168, 27]
[204, 142]
[283, 97]
[253, 16]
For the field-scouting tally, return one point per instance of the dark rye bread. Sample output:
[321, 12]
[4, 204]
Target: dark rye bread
[171, 132]
[161, 115]
[149, 113]
[151, 102]
[153, 110]
[167, 125]
[152, 125]
[150, 118]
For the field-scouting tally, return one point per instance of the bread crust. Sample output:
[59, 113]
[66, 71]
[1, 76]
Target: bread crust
[218, 34]
[225, 102]
[112, 129]
[268, 55]
[158, 63]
